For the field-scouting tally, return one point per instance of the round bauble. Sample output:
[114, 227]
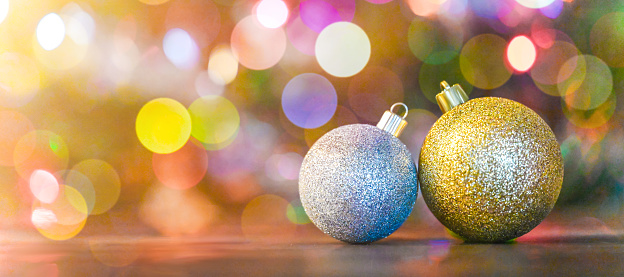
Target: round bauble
[358, 183]
[490, 169]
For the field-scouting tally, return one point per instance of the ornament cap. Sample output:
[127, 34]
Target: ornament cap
[450, 97]
[392, 122]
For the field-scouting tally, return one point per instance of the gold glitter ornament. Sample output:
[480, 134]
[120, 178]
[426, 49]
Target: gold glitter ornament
[358, 182]
[490, 169]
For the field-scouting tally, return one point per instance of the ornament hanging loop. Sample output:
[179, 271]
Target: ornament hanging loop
[404, 107]
[393, 123]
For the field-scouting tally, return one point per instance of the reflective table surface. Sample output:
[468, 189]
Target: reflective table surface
[585, 248]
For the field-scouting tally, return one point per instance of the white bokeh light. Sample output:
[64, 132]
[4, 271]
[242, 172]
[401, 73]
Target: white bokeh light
[51, 31]
[181, 49]
[272, 13]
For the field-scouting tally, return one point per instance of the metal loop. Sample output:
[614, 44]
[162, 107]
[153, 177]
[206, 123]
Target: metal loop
[404, 106]
[444, 85]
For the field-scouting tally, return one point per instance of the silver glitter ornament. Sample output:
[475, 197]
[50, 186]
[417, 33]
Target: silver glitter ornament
[490, 169]
[358, 183]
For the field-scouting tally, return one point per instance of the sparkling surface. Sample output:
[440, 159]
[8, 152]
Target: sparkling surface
[358, 183]
[490, 170]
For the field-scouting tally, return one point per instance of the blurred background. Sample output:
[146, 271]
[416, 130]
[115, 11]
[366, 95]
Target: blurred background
[191, 117]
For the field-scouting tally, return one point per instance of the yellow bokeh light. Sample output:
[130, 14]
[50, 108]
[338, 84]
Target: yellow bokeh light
[222, 66]
[607, 39]
[153, 2]
[588, 86]
[62, 219]
[215, 120]
[482, 61]
[105, 182]
[265, 219]
[521, 53]
[163, 125]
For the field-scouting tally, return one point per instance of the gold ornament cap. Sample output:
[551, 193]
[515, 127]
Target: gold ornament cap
[450, 97]
[392, 122]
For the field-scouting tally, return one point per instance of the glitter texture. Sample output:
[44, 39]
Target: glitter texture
[490, 170]
[358, 183]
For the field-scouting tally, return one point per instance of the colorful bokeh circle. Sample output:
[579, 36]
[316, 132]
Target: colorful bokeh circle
[342, 49]
[482, 61]
[215, 121]
[309, 100]
[163, 125]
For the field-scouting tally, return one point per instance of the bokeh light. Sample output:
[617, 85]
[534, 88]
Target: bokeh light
[535, 4]
[175, 212]
[40, 150]
[433, 42]
[607, 39]
[548, 68]
[222, 65]
[591, 118]
[105, 181]
[318, 14]
[264, 219]
[181, 169]
[423, 7]
[44, 186]
[215, 121]
[521, 53]
[272, 13]
[588, 86]
[283, 167]
[300, 35]
[4, 9]
[342, 116]
[50, 31]
[553, 10]
[257, 47]
[62, 219]
[80, 182]
[153, 2]
[378, 1]
[296, 213]
[342, 49]
[19, 79]
[65, 41]
[373, 91]
[491, 9]
[14, 126]
[482, 61]
[163, 125]
[309, 100]
[181, 49]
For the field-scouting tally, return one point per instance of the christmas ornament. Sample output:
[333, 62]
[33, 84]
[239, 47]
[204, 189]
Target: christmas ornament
[358, 182]
[490, 169]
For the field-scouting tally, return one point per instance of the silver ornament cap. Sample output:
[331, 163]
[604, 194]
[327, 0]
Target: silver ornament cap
[392, 122]
[358, 183]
